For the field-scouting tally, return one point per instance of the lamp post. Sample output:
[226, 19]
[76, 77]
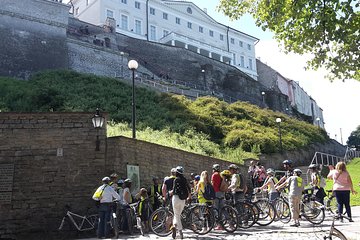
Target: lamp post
[318, 121]
[97, 121]
[278, 120]
[133, 65]
[263, 97]
[203, 72]
[122, 62]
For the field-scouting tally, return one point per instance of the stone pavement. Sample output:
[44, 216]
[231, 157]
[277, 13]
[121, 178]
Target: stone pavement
[275, 231]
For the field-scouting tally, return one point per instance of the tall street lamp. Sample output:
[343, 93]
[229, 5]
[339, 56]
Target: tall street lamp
[98, 121]
[318, 121]
[133, 65]
[203, 72]
[263, 97]
[278, 120]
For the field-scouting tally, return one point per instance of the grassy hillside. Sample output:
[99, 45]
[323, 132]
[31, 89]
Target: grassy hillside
[207, 125]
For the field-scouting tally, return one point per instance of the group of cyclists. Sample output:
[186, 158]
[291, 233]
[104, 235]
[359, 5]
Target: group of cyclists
[205, 188]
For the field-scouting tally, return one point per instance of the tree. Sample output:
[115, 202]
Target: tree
[354, 139]
[328, 29]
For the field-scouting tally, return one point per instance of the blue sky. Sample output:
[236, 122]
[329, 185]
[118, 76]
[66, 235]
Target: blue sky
[338, 99]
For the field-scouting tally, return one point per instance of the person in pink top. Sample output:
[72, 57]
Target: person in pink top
[342, 187]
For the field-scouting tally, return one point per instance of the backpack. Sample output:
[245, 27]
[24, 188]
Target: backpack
[181, 189]
[209, 192]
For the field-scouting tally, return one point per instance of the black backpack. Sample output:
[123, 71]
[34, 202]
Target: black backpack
[180, 188]
[209, 192]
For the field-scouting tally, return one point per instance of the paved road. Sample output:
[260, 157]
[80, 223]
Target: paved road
[276, 231]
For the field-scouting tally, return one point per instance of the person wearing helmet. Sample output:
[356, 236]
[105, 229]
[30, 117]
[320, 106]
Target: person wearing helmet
[237, 185]
[216, 182]
[105, 195]
[168, 185]
[289, 171]
[113, 181]
[181, 192]
[296, 186]
[316, 183]
[269, 183]
[153, 191]
[127, 193]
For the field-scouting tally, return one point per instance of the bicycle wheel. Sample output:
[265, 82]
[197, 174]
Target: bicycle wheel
[93, 221]
[131, 221]
[266, 212]
[139, 225]
[313, 212]
[331, 205]
[246, 214]
[202, 219]
[282, 209]
[228, 219]
[336, 234]
[161, 221]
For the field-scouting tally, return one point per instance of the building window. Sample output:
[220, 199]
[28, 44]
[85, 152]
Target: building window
[138, 27]
[165, 33]
[232, 40]
[177, 20]
[165, 16]
[190, 25]
[242, 61]
[87, 2]
[249, 47]
[137, 5]
[152, 33]
[124, 22]
[221, 37]
[189, 10]
[109, 13]
[240, 43]
[124, 1]
[201, 29]
[152, 11]
[211, 33]
[76, 11]
[250, 64]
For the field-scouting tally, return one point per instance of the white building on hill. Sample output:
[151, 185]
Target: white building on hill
[176, 23]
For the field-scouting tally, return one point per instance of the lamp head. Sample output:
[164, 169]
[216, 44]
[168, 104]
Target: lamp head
[133, 65]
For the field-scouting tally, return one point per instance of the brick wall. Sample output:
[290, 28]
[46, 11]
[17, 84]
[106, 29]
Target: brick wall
[42, 181]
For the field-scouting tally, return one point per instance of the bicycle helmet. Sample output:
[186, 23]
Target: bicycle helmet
[173, 170]
[121, 182]
[225, 173]
[270, 171]
[197, 178]
[287, 162]
[128, 180]
[106, 179]
[114, 175]
[216, 167]
[180, 169]
[313, 166]
[297, 171]
[233, 166]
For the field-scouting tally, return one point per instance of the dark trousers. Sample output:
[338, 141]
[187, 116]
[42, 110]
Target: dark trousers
[343, 198]
[104, 219]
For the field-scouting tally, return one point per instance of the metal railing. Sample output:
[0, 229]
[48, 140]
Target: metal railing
[350, 154]
[325, 159]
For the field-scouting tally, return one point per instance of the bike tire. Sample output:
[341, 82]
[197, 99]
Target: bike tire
[161, 221]
[202, 219]
[282, 209]
[331, 205]
[246, 214]
[314, 212]
[266, 212]
[336, 234]
[228, 219]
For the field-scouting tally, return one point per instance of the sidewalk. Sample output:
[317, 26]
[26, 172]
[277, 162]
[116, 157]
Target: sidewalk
[276, 231]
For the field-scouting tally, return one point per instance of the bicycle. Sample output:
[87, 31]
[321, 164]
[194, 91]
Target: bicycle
[133, 219]
[80, 222]
[330, 202]
[226, 217]
[335, 233]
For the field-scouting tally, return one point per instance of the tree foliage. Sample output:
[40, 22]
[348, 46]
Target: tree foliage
[354, 139]
[328, 29]
[206, 125]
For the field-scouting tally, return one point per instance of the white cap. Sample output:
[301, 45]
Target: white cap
[105, 179]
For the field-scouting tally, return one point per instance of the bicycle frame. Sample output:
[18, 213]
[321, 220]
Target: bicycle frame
[85, 223]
